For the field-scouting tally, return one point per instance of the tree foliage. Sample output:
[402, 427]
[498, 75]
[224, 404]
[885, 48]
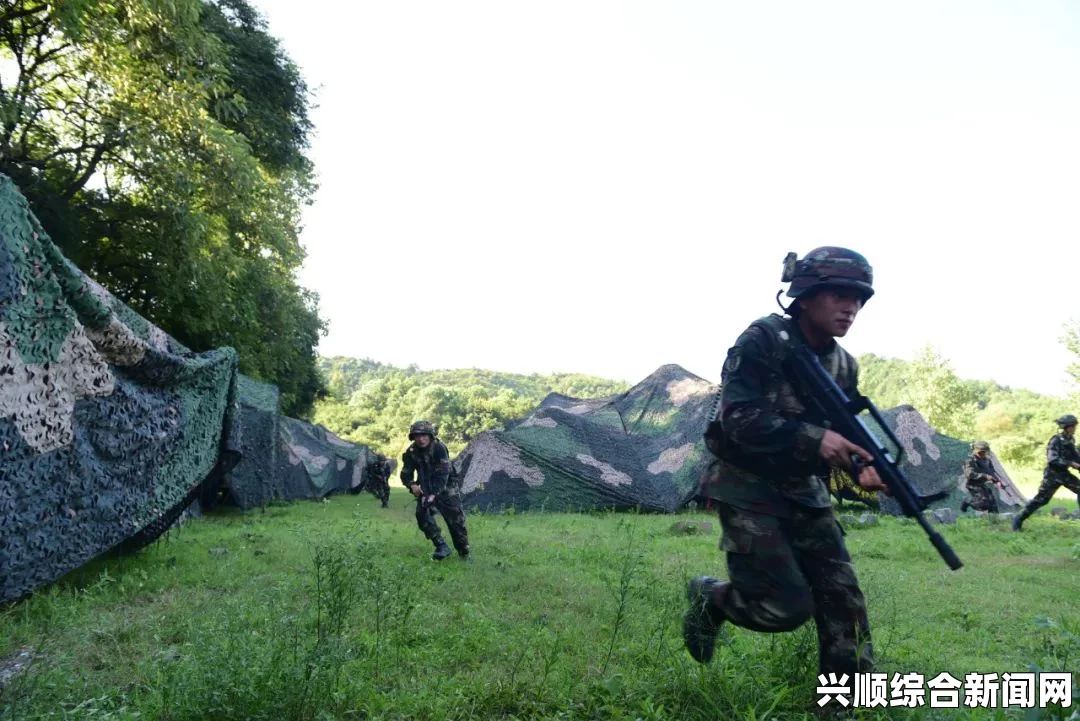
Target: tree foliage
[1016, 422]
[162, 144]
[373, 403]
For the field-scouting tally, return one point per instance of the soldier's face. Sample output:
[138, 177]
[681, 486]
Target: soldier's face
[981, 453]
[832, 311]
[1069, 430]
[423, 440]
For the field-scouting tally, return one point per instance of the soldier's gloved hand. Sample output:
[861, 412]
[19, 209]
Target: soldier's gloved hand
[415, 490]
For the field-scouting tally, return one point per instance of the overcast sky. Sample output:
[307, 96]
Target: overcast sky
[605, 187]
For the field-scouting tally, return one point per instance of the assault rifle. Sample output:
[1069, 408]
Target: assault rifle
[842, 413]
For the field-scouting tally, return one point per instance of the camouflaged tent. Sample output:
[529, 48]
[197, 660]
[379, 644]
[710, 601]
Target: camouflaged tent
[314, 463]
[932, 461]
[285, 458]
[108, 427]
[641, 449]
[251, 482]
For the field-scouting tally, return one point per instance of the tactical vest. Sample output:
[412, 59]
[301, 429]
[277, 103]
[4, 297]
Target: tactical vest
[779, 332]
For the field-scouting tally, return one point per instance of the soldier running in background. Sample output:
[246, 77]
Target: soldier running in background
[378, 479]
[1061, 455]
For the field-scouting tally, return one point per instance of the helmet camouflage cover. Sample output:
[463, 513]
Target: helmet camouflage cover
[981, 446]
[1066, 420]
[828, 267]
[420, 428]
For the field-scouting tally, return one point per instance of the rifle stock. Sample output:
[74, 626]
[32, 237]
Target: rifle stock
[842, 414]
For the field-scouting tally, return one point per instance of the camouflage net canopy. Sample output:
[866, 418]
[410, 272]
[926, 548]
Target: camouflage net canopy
[637, 450]
[932, 461]
[313, 462]
[108, 427]
[287, 459]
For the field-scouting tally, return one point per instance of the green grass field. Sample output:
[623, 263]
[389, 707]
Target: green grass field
[334, 610]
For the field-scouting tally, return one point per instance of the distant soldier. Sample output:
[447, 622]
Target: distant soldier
[378, 479]
[425, 471]
[1061, 455]
[980, 476]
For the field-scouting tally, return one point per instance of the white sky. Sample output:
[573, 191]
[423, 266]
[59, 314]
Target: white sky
[605, 187]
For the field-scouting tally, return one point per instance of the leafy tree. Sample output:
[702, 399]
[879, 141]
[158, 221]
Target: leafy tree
[936, 391]
[162, 144]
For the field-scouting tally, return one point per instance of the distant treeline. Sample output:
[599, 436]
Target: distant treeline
[374, 403]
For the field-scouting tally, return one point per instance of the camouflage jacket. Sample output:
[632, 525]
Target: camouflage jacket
[1060, 453]
[430, 466]
[379, 470]
[772, 437]
[979, 470]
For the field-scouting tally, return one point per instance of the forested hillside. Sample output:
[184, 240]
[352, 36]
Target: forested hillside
[374, 403]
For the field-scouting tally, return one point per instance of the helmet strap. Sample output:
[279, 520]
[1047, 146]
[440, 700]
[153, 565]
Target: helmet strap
[787, 310]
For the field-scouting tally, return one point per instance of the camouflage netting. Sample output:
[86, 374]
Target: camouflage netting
[253, 481]
[932, 462]
[313, 462]
[286, 458]
[108, 427]
[641, 449]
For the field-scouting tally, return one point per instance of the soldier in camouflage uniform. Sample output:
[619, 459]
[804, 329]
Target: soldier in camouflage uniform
[426, 471]
[786, 557]
[378, 474]
[1061, 455]
[981, 477]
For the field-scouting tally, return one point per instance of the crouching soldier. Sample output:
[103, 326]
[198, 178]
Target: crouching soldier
[981, 478]
[425, 471]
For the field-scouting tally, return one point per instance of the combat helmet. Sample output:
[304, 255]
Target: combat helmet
[1066, 420]
[828, 267]
[420, 428]
[980, 446]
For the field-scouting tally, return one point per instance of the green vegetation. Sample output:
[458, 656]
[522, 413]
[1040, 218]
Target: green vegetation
[335, 610]
[162, 145]
[1016, 422]
[374, 404]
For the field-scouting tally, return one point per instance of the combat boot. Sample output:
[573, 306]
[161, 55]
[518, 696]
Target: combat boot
[964, 506]
[704, 617]
[1018, 520]
[441, 550]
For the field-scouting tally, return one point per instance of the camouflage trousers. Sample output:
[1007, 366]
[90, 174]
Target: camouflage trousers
[982, 497]
[1047, 489]
[449, 506]
[783, 571]
[380, 489]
